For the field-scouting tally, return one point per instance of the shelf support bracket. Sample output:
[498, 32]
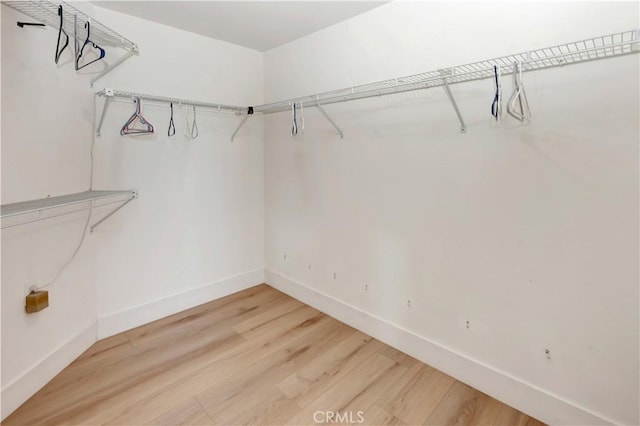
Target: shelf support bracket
[463, 126]
[115, 63]
[233, 136]
[108, 97]
[246, 117]
[329, 119]
[108, 215]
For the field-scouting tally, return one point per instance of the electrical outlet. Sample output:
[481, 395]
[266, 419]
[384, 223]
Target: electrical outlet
[36, 301]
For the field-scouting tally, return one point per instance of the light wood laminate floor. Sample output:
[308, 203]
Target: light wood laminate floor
[255, 357]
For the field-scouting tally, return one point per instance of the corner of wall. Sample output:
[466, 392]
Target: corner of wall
[17, 392]
[118, 322]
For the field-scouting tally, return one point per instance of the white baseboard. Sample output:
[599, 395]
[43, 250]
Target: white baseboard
[118, 322]
[22, 388]
[515, 392]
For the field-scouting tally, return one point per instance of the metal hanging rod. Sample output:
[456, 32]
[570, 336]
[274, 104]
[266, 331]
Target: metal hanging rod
[607, 46]
[109, 94]
[178, 101]
[46, 12]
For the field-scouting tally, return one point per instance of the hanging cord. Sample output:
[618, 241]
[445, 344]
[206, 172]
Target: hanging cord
[294, 126]
[496, 105]
[86, 224]
[172, 126]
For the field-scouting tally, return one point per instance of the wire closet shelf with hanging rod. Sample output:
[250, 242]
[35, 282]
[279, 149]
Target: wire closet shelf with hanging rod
[109, 94]
[601, 47]
[46, 12]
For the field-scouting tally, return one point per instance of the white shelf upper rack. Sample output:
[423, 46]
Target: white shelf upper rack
[607, 46]
[46, 12]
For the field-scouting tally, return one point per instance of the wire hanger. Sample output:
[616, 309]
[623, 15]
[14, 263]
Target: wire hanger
[518, 96]
[294, 125]
[172, 126]
[496, 105]
[87, 41]
[60, 32]
[191, 128]
[137, 118]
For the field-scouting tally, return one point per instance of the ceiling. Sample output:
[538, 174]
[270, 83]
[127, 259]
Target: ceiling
[259, 25]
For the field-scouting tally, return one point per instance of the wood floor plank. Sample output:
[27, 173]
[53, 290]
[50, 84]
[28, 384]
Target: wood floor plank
[464, 405]
[189, 412]
[255, 357]
[306, 384]
[377, 416]
[397, 356]
[417, 399]
[369, 395]
[151, 339]
[176, 385]
[259, 320]
[252, 392]
[509, 416]
[338, 397]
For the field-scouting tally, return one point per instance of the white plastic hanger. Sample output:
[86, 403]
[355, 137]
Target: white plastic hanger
[191, 127]
[519, 96]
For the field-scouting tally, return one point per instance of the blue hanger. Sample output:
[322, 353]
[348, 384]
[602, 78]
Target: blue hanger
[495, 105]
[87, 25]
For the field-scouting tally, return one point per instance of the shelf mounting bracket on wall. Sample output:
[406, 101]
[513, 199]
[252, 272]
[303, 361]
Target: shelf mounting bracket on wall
[108, 215]
[133, 52]
[329, 119]
[246, 117]
[108, 97]
[445, 85]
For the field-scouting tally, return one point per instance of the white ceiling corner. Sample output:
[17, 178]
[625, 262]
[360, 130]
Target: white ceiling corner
[258, 25]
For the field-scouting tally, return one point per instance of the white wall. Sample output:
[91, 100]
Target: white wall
[530, 233]
[200, 212]
[194, 233]
[40, 157]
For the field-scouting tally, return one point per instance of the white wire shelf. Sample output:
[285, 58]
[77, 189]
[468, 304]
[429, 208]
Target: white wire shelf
[46, 12]
[82, 200]
[607, 46]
